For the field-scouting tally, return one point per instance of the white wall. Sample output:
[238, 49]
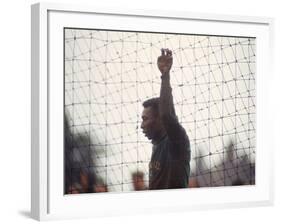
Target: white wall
[15, 110]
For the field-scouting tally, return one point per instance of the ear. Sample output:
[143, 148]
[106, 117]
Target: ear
[159, 121]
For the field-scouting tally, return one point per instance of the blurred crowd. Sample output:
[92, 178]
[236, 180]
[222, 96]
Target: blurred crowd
[235, 167]
[80, 177]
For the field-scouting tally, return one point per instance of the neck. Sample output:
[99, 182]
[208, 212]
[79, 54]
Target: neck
[159, 137]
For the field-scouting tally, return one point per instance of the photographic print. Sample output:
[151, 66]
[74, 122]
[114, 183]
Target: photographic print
[157, 111]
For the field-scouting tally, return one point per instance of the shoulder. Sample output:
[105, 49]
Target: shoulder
[180, 143]
[181, 135]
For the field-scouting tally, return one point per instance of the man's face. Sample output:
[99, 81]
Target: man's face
[151, 124]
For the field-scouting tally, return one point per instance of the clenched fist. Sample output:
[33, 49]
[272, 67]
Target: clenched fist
[165, 61]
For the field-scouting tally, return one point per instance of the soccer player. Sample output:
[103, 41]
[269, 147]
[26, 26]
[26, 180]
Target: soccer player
[169, 166]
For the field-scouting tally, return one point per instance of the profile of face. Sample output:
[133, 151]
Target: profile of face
[151, 124]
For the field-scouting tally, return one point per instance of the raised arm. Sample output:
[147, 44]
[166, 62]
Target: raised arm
[166, 107]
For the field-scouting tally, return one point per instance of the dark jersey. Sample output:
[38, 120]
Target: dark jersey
[169, 166]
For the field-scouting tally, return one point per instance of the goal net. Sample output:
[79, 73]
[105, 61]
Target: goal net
[108, 74]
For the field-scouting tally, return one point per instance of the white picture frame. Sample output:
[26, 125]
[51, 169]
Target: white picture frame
[48, 201]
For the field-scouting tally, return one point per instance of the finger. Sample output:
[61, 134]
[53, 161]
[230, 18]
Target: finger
[169, 53]
[162, 51]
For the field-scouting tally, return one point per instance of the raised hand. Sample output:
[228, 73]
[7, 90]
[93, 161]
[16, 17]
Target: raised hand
[165, 61]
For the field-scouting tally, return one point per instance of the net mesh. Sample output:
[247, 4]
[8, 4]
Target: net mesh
[108, 74]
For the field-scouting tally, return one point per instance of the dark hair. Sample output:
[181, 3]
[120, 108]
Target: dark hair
[138, 174]
[153, 103]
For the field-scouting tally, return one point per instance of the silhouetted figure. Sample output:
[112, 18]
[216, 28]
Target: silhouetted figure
[78, 162]
[169, 165]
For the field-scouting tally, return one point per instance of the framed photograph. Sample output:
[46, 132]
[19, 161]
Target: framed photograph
[139, 111]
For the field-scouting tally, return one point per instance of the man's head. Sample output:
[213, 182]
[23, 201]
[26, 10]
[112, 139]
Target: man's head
[152, 125]
[138, 181]
[100, 186]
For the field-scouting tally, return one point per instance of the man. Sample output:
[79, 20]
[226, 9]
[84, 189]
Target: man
[100, 186]
[169, 166]
[138, 181]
